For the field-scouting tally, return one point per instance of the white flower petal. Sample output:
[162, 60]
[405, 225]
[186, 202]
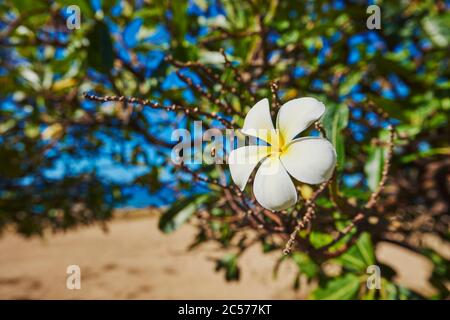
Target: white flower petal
[310, 159]
[242, 162]
[297, 115]
[258, 122]
[273, 187]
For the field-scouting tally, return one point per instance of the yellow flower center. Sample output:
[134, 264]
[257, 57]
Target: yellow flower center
[277, 142]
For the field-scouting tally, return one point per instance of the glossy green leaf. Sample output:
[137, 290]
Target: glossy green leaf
[179, 213]
[319, 239]
[342, 288]
[100, 51]
[334, 121]
[360, 255]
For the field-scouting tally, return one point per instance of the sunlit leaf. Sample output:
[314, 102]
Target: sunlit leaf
[334, 121]
[342, 288]
[179, 213]
[360, 255]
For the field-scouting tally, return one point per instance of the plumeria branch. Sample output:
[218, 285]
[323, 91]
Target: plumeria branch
[197, 177]
[204, 70]
[237, 75]
[213, 78]
[320, 128]
[307, 217]
[238, 205]
[206, 94]
[229, 65]
[274, 86]
[155, 105]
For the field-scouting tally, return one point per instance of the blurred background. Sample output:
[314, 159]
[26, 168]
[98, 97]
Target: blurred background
[86, 183]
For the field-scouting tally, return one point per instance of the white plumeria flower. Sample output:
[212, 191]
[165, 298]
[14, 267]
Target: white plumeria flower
[308, 159]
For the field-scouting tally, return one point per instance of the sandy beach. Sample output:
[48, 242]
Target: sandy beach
[134, 260]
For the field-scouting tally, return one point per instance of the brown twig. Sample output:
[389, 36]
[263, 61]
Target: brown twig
[356, 219]
[211, 76]
[197, 177]
[301, 224]
[206, 94]
[387, 164]
[155, 105]
[228, 64]
[307, 217]
[275, 99]
[203, 69]
[321, 129]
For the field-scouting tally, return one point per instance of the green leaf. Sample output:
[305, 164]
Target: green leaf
[229, 264]
[360, 255]
[100, 51]
[394, 109]
[350, 81]
[392, 291]
[180, 20]
[374, 166]
[319, 239]
[424, 154]
[307, 266]
[334, 121]
[7, 125]
[179, 213]
[28, 5]
[369, 295]
[440, 274]
[341, 288]
[85, 7]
